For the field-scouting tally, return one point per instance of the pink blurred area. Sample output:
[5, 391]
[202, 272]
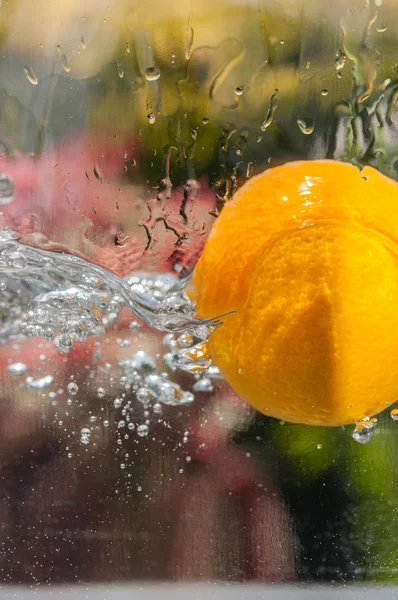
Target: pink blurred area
[79, 198]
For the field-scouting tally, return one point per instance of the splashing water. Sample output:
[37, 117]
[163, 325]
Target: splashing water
[65, 298]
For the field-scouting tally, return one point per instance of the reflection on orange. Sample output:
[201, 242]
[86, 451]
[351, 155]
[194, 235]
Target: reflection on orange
[306, 255]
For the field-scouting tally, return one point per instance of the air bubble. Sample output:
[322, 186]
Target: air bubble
[72, 388]
[17, 368]
[142, 430]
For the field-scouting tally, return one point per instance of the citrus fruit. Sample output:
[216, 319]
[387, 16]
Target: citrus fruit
[305, 256]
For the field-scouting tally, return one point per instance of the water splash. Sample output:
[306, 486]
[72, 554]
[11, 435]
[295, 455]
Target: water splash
[65, 298]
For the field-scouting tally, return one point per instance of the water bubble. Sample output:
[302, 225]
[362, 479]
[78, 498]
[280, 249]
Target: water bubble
[319, 446]
[142, 430]
[151, 118]
[85, 435]
[306, 125]
[40, 383]
[106, 423]
[394, 414]
[83, 43]
[63, 343]
[143, 395]
[72, 388]
[3, 286]
[15, 259]
[152, 73]
[120, 70]
[17, 368]
[381, 28]
[30, 74]
[239, 90]
[117, 403]
[185, 340]
[92, 418]
[157, 408]
[205, 120]
[69, 402]
[324, 92]
[135, 326]
[100, 392]
[128, 48]
[121, 424]
[364, 430]
[204, 384]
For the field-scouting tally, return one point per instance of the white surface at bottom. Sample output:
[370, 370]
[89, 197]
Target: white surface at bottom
[199, 591]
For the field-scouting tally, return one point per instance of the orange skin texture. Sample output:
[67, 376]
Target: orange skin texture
[306, 256]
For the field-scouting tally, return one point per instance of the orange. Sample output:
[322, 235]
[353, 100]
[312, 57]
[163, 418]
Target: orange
[306, 256]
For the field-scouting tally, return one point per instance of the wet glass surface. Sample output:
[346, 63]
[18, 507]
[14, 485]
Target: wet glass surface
[125, 127]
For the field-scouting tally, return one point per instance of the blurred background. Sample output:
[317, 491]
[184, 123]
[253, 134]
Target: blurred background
[124, 128]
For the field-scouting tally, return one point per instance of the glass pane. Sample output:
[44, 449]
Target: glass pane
[126, 130]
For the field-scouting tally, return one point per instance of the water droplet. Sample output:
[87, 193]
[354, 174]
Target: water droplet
[324, 92]
[122, 466]
[306, 125]
[188, 459]
[152, 73]
[120, 70]
[17, 368]
[205, 120]
[151, 118]
[142, 430]
[64, 62]
[381, 28]
[340, 60]
[30, 74]
[40, 383]
[69, 402]
[72, 388]
[157, 408]
[100, 392]
[6, 190]
[92, 418]
[117, 403]
[364, 430]
[319, 446]
[83, 43]
[394, 414]
[239, 90]
[85, 435]
[106, 423]
[128, 48]
[269, 117]
[121, 239]
[3, 286]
